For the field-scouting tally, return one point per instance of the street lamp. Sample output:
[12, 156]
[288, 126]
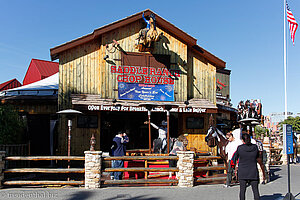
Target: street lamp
[70, 114]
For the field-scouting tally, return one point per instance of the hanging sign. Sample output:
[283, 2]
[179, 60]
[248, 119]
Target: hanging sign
[145, 92]
[288, 139]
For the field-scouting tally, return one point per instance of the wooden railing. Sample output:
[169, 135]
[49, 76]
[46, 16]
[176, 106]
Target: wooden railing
[207, 169]
[275, 156]
[152, 179]
[15, 149]
[146, 169]
[44, 170]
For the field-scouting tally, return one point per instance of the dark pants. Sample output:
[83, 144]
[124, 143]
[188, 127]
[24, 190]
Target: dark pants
[229, 174]
[254, 185]
[117, 164]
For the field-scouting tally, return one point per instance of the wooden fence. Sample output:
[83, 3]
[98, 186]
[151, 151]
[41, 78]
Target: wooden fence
[17, 181]
[206, 172]
[15, 149]
[275, 156]
[148, 173]
[147, 179]
[202, 168]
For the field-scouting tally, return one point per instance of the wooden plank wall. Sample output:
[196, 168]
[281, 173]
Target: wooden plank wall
[38, 109]
[202, 81]
[195, 136]
[80, 137]
[126, 37]
[82, 70]
[224, 78]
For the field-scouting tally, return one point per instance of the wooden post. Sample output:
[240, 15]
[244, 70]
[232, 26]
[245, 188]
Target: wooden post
[146, 166]
[168, 132]
[69, 140]
[149, 126]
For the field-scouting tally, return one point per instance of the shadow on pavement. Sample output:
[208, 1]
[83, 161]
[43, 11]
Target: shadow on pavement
[275, 196]
[274, 176]
[129, 197]
[81, 195]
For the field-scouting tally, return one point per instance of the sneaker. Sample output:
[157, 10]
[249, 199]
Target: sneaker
[112, 177]
[226, 186]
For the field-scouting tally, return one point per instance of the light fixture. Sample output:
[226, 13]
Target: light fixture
[105, 57]
[186, 102]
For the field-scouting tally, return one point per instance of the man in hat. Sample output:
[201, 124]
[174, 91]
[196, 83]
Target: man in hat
[162, 132]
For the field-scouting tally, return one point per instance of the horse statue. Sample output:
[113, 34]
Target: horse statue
[215, 137]
[148, 35]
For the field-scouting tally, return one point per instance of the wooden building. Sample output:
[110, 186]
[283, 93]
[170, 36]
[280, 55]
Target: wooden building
[37, 105]
[106, 75]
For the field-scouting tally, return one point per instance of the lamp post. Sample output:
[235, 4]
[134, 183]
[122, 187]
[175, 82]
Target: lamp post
[168, 107]
[69, 114]
[149, 107]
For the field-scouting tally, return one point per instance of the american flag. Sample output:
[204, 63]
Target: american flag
[292, 22]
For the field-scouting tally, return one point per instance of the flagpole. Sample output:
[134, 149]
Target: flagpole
[284, 59]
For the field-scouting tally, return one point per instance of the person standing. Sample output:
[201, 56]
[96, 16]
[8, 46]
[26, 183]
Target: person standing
[162, 133]
[230, 150]
[248, 156]
[118, 149]
[179, 145]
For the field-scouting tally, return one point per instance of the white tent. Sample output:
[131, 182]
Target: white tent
[44, 87]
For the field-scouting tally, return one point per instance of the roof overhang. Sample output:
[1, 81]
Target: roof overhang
[88, 102]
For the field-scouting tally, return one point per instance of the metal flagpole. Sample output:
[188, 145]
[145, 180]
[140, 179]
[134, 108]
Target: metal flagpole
[284, 58]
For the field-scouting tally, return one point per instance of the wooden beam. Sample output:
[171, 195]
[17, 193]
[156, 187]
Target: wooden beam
[140, 181]
[142, 169]
[208, 158]
[43, 182]
[199, 169]
[205, 180]
[35, 158]
[142, 158]
[44, 170]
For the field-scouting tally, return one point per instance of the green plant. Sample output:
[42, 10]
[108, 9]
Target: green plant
[294, 121]
[11, 125]
[259, 131]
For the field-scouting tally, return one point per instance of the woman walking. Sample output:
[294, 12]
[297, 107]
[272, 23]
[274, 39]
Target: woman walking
[248, 157]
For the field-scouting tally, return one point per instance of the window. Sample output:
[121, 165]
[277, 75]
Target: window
[194, 122]
[88, 121]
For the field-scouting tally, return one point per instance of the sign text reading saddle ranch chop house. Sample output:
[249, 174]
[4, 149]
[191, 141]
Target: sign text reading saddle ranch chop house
[146, 75]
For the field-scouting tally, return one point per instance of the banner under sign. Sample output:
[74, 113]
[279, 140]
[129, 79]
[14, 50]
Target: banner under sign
[145, 92]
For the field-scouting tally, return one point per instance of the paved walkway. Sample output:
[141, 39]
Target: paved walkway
[275, 190]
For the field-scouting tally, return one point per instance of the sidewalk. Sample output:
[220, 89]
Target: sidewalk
[275, 190]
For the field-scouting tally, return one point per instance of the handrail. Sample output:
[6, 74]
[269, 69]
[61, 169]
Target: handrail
[35, 158]
[142, 169]
[142, 158]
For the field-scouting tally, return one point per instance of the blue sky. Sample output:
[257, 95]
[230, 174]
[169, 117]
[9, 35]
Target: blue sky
[247, 35]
